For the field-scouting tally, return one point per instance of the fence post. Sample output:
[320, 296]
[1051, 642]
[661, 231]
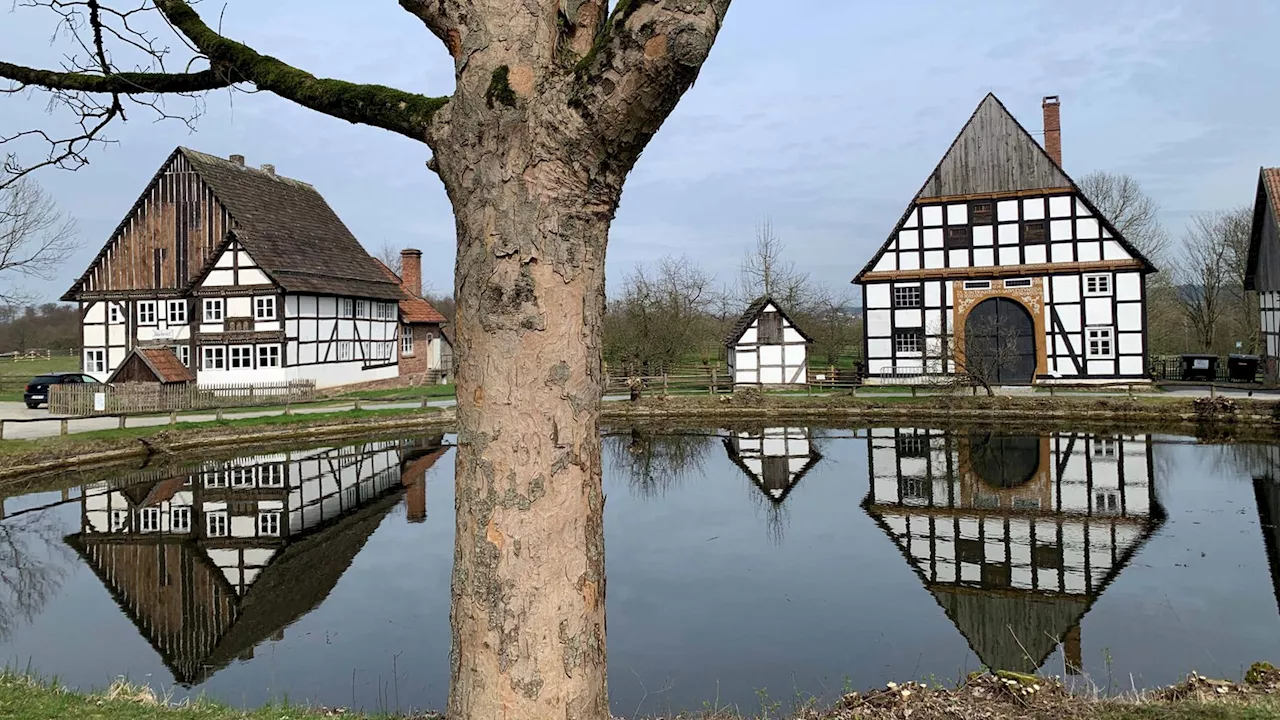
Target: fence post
[664, 382]
[65, 426]
[1, 429]
[122, 419]
[424, 402]
[1213, 390]
[218, 415]
[173, 417]
[359, 403]
[714, 384]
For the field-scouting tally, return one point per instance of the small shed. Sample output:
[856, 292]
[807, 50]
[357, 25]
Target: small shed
[152, 365]
[766, 347]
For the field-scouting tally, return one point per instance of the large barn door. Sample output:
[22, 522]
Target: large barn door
[1000, 342]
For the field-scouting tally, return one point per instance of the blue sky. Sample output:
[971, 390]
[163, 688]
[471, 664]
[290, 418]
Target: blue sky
[825, 115]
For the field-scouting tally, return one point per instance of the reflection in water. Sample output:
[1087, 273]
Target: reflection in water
[210, 563]
[1015, 536]
[655, 461]
[775, 460]
[1262, 463]
[32, 566]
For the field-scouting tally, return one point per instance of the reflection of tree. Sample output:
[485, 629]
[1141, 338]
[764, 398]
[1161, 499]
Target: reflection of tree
[654, 461]
[32, 567]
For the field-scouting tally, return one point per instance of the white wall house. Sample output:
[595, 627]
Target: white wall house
[249, 277]
[1002, 266]
[765, 347]
[1014, 535]
[775, 458]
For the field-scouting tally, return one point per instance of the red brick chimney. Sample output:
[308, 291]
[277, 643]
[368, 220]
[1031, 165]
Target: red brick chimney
[411, 271]
[1052, 128]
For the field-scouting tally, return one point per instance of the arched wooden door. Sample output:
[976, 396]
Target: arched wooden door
[1000, 342]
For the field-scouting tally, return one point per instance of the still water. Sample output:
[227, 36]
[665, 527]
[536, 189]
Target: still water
[784, 560]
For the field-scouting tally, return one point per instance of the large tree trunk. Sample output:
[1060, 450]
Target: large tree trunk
[528, 612]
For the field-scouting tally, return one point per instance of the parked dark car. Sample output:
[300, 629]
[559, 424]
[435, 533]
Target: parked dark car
[37, 392]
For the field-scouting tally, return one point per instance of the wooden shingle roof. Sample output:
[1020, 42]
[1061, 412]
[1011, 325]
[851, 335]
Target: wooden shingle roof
[291, 232]
[163, 364]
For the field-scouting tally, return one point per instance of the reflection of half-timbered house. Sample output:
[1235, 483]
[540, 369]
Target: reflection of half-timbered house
[1015, 536]
[775, 459]
[244, 275]
[1000, 266]
[765, 347]
[1267, 493]
[210, 563]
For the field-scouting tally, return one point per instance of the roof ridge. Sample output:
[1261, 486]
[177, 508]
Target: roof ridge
[246, 168]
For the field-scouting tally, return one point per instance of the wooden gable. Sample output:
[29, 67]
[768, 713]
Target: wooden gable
[763, 306]
[167, 238]
[994, 194]
[1262, 272]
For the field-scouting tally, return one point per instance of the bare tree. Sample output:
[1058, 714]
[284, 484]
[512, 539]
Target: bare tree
[1245, 321]
[766, 270]
[1121, 199]
[554, 100]
[1204, 275]
[826, 318]
[35, 238]
[654, 461]
[661, 316]
[32, 567]
[389, 255]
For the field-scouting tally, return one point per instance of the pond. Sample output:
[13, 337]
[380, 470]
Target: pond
[743, 564]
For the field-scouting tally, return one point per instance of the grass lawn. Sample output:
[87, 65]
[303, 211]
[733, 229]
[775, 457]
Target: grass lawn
[15, 375]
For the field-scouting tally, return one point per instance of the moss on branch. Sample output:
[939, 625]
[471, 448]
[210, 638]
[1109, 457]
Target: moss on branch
[123, 83]
[403, 112]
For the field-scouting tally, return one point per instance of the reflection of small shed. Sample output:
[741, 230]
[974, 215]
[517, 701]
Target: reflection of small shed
[775, 459]
[152, 365]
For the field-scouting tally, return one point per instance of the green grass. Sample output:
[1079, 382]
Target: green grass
[15, 375]
[26, 446]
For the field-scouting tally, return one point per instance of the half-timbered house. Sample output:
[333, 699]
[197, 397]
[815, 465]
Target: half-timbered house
[1001, 266]
[1015, 536]
[766, 347]
[1262, 272]
[211, 561]
[248, 276]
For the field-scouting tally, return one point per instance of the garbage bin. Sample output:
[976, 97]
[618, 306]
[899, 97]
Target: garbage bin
[1199, 367]
[1242, 368]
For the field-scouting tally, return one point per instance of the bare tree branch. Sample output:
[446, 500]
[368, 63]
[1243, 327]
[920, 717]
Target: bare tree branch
[1205, 273]
[35, 237]
[1121, 199]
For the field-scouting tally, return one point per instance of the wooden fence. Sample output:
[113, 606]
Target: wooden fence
[713, 379]
[95, 399]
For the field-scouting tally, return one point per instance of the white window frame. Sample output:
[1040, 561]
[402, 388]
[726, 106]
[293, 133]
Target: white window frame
[1101, 283]
[977, 284]
[908, 296]
[180, 519]
[213, 357]
[268, 356]
[115, 315]
[146, 311]
[240, 357]
[119, 520]
[1106, 339]
[215, 310]
[149, 519]
[269, 523]
[264, 307]
[184, 354]
[1018, 283]
[362, 308]
[215, 479]
[406, 340]
[901, 335]
[346, 351]
[176, 312]
[240, 477]
[216, 523]
[95, 361]
[271, 475]
[1104, 447]
[386, 311]
[346, 307]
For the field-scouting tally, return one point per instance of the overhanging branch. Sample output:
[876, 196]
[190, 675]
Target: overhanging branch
[120, 83]
[406, 113]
